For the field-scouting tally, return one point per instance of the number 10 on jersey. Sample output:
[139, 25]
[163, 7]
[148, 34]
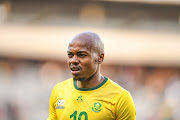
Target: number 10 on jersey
[79, 116]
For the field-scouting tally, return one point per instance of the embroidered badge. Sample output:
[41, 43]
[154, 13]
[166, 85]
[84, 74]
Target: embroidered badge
[60, 104]
[97, 107]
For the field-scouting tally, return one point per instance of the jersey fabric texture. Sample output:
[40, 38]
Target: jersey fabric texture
[107, 101]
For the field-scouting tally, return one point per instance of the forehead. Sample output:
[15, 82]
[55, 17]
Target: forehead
[80, 45]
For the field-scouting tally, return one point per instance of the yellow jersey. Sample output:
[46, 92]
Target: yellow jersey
[107, 101]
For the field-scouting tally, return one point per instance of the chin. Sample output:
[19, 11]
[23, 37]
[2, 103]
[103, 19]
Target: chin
[79, 78]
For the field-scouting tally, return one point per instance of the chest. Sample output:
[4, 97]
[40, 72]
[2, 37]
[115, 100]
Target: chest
[84, 106]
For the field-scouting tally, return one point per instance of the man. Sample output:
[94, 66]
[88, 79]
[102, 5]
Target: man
[89, 95]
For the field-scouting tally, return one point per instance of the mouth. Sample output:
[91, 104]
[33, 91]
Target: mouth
[75, 69]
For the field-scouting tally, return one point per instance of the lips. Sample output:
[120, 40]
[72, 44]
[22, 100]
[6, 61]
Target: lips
[75, 69]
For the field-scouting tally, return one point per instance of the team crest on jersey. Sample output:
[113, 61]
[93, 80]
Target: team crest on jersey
[96, 107]
[60, 104]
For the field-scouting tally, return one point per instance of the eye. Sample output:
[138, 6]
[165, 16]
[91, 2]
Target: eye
[82, 55]
[70, 55]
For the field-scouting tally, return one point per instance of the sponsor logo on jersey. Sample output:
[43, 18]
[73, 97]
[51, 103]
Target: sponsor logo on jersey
[96, 107]
[60, 104]
[79, 99]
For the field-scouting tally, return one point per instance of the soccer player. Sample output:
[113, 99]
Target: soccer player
[88, 95]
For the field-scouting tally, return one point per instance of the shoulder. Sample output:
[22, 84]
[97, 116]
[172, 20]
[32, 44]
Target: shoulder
[123, 101]
[116, 87]
[116, 91]
[64, 84]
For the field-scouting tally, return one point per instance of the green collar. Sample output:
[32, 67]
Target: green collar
[93, 88]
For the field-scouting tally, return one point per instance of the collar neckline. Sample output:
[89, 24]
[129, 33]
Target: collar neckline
[92, 88]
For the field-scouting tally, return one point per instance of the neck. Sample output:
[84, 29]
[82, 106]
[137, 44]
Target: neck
[92, 82]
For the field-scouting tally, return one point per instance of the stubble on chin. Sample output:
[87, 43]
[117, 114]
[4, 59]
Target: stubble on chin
[79, 79]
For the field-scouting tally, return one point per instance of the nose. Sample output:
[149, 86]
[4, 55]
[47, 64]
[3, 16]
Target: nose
[74, 60]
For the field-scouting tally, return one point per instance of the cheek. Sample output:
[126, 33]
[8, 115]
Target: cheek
[68, 62]
[93, 65]
[86, 64]
[89, 64]
[96, 61]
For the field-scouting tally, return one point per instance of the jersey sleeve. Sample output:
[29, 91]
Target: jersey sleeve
[52, 110]
[125, 108]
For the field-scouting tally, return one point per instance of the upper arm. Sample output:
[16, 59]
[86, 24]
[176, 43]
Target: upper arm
[125, 108]
[52, 110]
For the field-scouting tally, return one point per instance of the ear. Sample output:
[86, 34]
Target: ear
[100, 58]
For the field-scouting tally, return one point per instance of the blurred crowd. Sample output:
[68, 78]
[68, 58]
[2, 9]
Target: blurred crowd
[26, 85]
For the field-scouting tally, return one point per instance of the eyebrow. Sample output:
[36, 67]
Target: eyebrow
[77, 52]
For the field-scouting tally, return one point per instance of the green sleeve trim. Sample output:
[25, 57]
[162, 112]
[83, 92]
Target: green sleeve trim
[93, 88]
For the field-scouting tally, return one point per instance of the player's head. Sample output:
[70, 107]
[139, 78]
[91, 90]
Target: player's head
[86, 53]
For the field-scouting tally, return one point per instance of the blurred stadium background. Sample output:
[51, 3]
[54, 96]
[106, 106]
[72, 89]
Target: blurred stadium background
[142, 52]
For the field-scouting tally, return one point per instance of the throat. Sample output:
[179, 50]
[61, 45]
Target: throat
[89, 83]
